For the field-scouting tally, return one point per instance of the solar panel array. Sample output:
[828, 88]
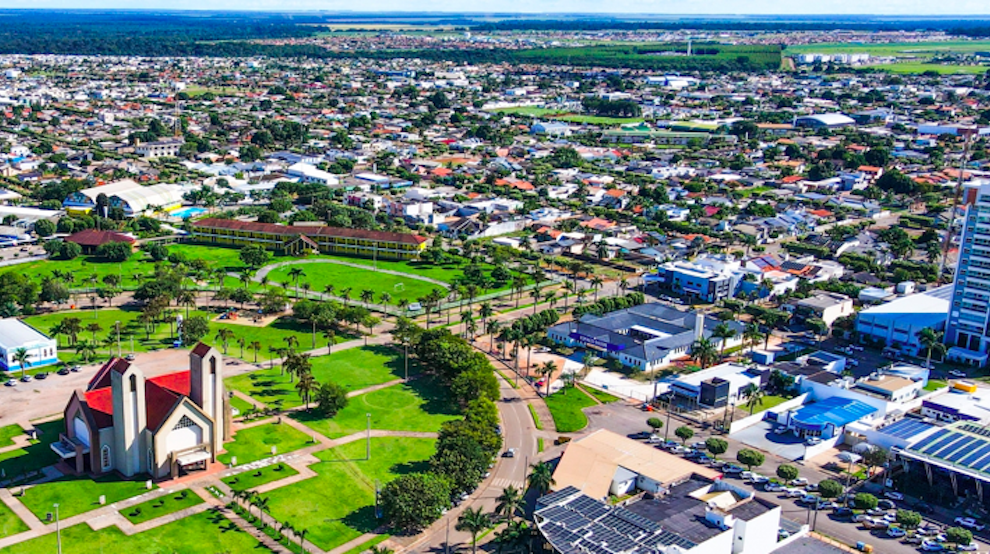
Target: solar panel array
[583, 525]
[965, 445]
[906, 428]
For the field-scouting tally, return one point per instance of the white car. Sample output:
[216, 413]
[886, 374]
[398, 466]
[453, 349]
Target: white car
[896, 532]
[775, 487]
[799, 482]
[861, 518]
[969, 523]
[746, 475]
[957, 373]
[968, 547]
[932, 546]
[780, 430]
[758, 479]
[808, 499]
[894, 495]
[795, 493]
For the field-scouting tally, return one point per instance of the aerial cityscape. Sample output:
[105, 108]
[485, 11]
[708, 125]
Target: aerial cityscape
[348, 282]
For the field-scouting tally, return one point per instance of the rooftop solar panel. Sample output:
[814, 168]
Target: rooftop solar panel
[948, 439]
[975, 454]
[906, 428]
[960, 449]
[929, 439]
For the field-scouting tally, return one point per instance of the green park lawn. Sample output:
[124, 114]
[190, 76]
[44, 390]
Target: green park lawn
[134, 334]
[34, 456]
[255, 443]
[8, 433]
[240, 404]
[337, 505]
[419, 405]
[600, 120]
[78, 494]
[161, 506]
[921, 67]
[565, 407]
[319, 275]
[205, 533]
[354, 369]
[250, 480]
[913, 49]
[601, 396]
[10, 524]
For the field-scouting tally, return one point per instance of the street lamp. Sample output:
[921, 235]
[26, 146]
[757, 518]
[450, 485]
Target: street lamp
[368, 453]
[58, 531]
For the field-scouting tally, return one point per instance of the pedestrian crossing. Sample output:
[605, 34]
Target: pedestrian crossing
[503, 483]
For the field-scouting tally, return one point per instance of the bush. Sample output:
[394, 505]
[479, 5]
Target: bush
[958, 535]
[750, 458]
[787, 472]
[865, 501]
[829, 488]
[413, 502]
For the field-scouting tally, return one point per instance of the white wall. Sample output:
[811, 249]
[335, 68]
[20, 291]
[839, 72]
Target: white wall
[812, 451]
[757, 417]
[758, 535]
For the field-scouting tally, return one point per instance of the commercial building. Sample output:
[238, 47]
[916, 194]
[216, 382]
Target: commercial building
[955, 457]
[827, 306]
[648, 336]
[708, 278]
[718, 386]
[826, 120]
[298, 239]
[969, 315]
[166, 148]
[896, 324]
[133, 198]
[827, 418]
[162, 426]
[14, 335]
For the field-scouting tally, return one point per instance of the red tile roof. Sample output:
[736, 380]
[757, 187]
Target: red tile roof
[178, 382]
[159, 402]
[161, 394]
[323, 231]
[92, 237]
[200, 349]
[101, 405]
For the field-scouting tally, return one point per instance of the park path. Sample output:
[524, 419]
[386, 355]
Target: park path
[264, 271]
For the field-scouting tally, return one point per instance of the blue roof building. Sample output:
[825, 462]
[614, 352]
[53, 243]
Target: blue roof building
[828, 417]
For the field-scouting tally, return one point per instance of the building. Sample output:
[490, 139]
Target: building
[969, 315]
[718, 386]
[161, 426]
[826, 120]
[130, 196]
[298, 239]
[312, 174]
[827, 418]
[896, 324]
[677, 507]
[648, 336]
[708, 278]
[827, 306]
[955, 457]
[166, 148]
[91, 239]
[14, 335]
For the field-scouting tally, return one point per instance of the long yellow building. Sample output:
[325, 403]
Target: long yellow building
[298, 239]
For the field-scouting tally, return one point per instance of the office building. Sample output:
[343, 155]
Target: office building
[967, 333]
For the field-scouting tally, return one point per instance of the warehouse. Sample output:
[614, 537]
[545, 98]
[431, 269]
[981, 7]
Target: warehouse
[824, 121]
[14, 335]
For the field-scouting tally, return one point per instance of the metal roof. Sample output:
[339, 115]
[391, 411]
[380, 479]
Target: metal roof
[836, 410]
[14, 333]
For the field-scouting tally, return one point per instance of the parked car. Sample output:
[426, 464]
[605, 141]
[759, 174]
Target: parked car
[913, 539]
[876, 512]
[799, 482]
[642, 435]
[957, 373]
[11, 383]
[924, 508]
[758, 479]
[932, 546]
[896, 532]
[967, 547]
[842, 511]
[510, 453]
[63, 371]
[811, 487]
[795, 493]
[886, 505]
[700, 445]
[877, 523]
[969, 523]
[780, 430]
[732, 469]
[774, 487]
[26, 379]
[812, 441]
[894, 495]
[809, 499]
[75, 369]
[129, 357]
[41, 376]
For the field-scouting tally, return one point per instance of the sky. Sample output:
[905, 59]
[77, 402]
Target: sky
[712, 7]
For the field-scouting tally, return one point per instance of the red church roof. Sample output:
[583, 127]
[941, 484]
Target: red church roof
[160, 394]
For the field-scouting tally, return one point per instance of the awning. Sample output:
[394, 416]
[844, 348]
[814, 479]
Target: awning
[193, 457]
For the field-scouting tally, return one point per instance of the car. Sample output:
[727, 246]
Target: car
[812, 487]
[670, 445]
[700, 445]
[654, 439]
[924, 531]
[758, 479]
[896, 532]
[799, 482]
[893, 495]
[924, 508]
[63, 371]
[853, 363]
[41, 376]
[876, 512]
[809, 499]
[913, 539]
[26, 379]
[510, 453]
[746, 475]
[780, 430]
[774, 487]
[783, 534]
[11, 383]
[877, 524]
[969, 523]
[957, 373]
[932, 546]
[812, 441]
[642, 435]
[682, 450]
[842, 511]
[855, 348]
[498, 429]
[75, 369]
[732, 469]
[885, 504]
[794, 493]
[129, 357]
[967, 547]
[861, 518]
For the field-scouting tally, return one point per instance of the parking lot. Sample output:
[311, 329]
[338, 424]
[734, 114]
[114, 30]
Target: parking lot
[762, 437]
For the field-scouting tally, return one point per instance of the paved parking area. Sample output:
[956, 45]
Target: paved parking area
[762, 437]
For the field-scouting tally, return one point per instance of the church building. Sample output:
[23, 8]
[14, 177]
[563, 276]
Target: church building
[163, 426]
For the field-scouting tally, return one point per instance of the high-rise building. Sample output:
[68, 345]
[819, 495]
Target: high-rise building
[968, 330]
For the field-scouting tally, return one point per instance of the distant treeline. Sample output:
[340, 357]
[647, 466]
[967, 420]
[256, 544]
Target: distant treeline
[954, 26]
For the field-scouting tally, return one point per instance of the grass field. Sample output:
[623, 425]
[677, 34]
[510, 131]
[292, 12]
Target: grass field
[415, 406]
[921, 67]
[35, 456]
[566, 409]
[602, 396]
[549, 113]
[255, 443]
[205, 533]
[10, 524]
[161, 506]
[337, 505]
[899, 49]
[240, 404]
[8, 432]
[598, 120]
[78, 494]
[252, 479]
[354, 369]
[319, 275]
[273, 335]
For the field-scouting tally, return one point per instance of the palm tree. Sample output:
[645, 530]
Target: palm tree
[381, 550]
[21, 357]
[186, 298]
[752, 335]
[723, 332]
[474, 521]
[329, 334]
[94, 328]
[547, 370]
[485, 312]
[302, 538]
[541, 477]
[596, 283]
[367, 296]
[256, 346]
[403, 305]
[384, 298]
[294, 275]
[241, 341]
[754, 397]
[292, 342]
[494, 327]
[305, 387]
[704, 352]
[262, 503]
[85, 349]
[224, 335]
[509, 502]
[345, 294]
[329, 289]
[931, 340]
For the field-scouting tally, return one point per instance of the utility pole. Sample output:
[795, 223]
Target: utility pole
[116, 325]
[666, 432]
[58, 531]
[446, 542]
[947, 241]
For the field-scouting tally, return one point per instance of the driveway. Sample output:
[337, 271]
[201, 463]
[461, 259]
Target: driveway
[762, 437]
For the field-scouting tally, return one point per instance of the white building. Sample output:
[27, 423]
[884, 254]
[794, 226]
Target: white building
[896, 324]
[159, 148]
[15, 334]
[969, 314]
[312, 174]
[708, 278]
[719, 385]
